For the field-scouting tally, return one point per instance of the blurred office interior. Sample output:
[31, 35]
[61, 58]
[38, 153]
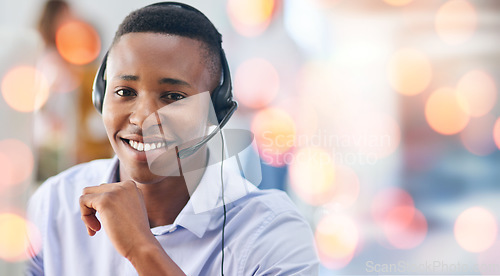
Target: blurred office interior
[380, 119]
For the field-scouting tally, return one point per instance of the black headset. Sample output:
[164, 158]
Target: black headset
[222, 97]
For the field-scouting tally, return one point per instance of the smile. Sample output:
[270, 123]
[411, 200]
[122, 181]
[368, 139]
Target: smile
[139, 146]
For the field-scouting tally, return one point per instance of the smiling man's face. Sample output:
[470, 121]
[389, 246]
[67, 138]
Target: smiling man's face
[145, 72]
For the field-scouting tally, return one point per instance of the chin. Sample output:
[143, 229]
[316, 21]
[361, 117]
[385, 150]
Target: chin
[146, 178]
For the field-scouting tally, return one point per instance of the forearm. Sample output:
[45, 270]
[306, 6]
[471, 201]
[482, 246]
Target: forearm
[151, 259]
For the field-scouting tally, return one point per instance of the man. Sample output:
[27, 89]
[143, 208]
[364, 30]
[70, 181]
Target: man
[162, 61]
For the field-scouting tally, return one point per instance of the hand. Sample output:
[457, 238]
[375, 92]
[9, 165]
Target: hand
[122, 212]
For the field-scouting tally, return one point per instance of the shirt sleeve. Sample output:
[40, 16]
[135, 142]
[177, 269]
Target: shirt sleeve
[284, 246]
[36, 212]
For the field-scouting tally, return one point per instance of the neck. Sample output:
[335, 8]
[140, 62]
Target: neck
[166, 198]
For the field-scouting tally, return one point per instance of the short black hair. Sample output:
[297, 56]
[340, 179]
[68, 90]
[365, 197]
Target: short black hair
[173, 19]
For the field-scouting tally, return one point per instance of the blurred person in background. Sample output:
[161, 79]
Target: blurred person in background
[65, 129]
[163, 56]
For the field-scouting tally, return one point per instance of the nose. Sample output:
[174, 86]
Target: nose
[144, 106]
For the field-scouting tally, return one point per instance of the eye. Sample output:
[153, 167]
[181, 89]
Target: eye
[173, 96]
[125, 93]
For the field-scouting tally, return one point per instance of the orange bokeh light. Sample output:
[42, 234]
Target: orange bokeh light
[16, 163]
[250, 17]
[455, 21]
[14, 231]
[405, 227]
[478, 92]
[410, 71]
[312, 175]
[78, 42]
[477, 138]
[25, 89]
[337, 237]
[274, 131]
[398, 2]
[496, 132]
[444, 113]
[476, 229]
[252, 93]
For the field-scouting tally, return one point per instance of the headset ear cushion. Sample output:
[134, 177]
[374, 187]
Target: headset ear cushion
[99, 87]
[222, 96]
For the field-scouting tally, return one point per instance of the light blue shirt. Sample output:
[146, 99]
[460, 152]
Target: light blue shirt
[264, 233]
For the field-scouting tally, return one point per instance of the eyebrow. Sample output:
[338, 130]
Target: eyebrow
[161, 81]
[173, 82]
[127, 77]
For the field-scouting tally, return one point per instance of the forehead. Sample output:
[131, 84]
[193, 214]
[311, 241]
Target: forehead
[146, 53]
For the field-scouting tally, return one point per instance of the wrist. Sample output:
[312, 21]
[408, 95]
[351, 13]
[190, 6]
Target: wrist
[151, 259]
[143, 250]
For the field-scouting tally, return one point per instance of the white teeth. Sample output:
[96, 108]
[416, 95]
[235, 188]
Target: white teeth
[145, 146]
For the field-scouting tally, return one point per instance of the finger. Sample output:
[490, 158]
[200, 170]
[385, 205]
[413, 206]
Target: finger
[88, 214]
[97, 189]
[92, 222]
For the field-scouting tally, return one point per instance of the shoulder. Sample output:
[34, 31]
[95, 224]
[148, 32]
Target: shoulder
[69, 183]
[269, 202]
[281, 241]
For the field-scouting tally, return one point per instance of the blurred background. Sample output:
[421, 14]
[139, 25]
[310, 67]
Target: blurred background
[378, 117]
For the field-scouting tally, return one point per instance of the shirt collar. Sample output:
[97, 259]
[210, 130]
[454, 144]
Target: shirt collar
[206, 200]
[111, 174]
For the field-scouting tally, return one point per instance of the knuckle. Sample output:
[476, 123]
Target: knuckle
[86, 191]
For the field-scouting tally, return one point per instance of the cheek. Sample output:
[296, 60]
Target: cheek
[111, 118]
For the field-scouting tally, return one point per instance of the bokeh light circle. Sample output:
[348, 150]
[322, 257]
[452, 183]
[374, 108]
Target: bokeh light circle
[16, 162]
[25, 89]
[7, 171]
[477, 138]
[456, 21]
[478, 93]
[410, 71]
[405, 227]
[398, 2]
[78, 42]
[337, 237]
[14, 231]
[444, 112]
[475, 229]
[250, 17]
[274, 131]
[252, 93]
[387, 200]
[312, 175]
[496, 132]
